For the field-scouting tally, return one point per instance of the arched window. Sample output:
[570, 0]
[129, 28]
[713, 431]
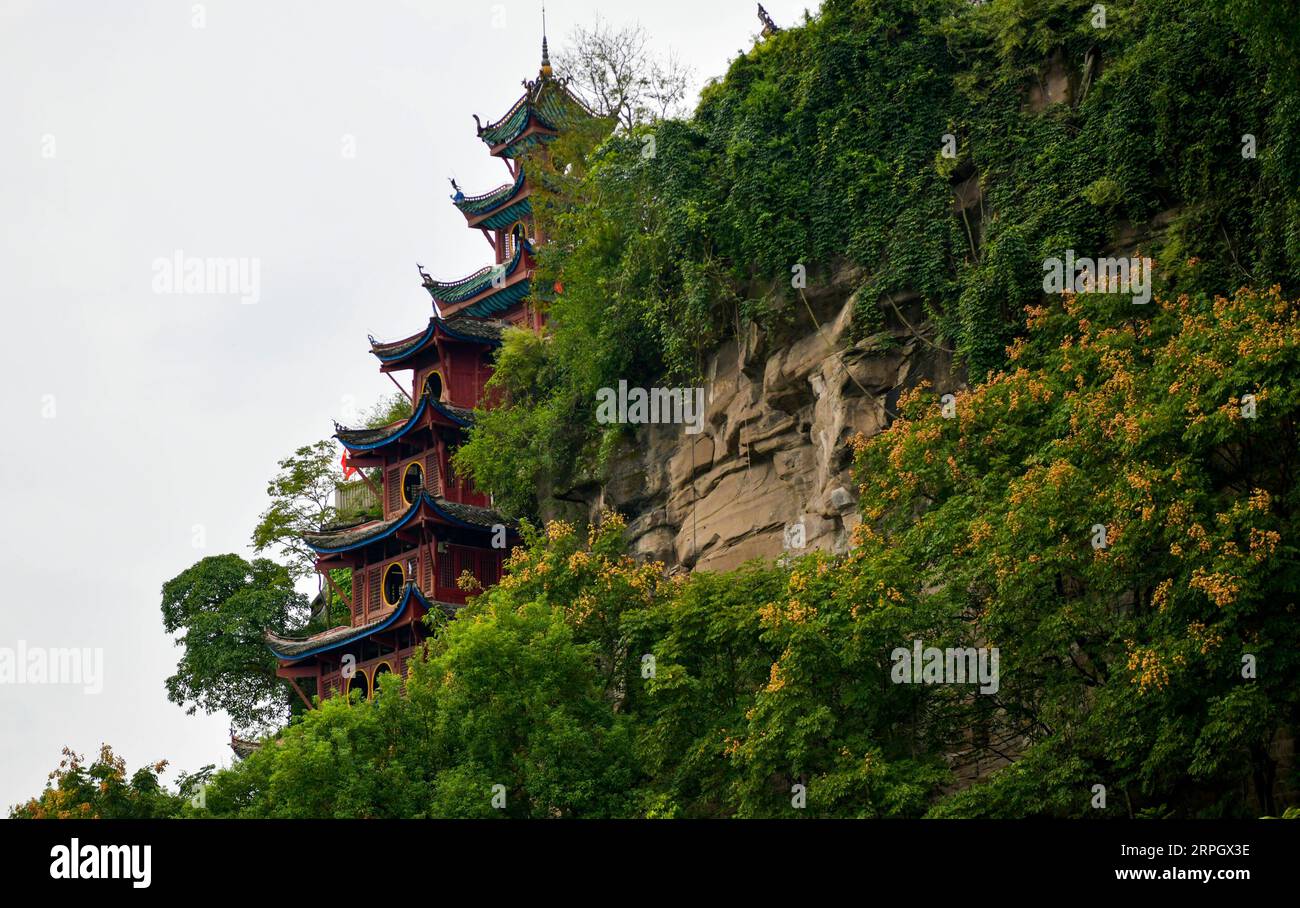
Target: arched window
[382, 668]
[515, 237]
[394, 584]
[412, 482]
[433, 386]
[359, 685]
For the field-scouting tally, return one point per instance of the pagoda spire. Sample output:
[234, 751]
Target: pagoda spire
[546, 55]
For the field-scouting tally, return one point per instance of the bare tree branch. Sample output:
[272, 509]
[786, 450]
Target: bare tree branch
[614, 72]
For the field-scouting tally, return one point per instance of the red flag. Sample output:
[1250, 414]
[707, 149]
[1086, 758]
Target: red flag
[348, 469]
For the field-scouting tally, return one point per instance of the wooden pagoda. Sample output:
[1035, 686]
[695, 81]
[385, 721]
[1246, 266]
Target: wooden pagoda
[433, 526]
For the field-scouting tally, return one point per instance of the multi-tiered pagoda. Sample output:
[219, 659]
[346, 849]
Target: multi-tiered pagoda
[433, 526]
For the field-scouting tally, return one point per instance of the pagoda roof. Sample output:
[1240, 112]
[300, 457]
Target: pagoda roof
[293, 649]
[459, 327]
[545, 107]
[370, 439]
[244, 748]
[373, 439]
[478, 294]
[461, 416]
[500, 208]
[467, 516]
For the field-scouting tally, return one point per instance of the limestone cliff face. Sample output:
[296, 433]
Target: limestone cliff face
[774, 453]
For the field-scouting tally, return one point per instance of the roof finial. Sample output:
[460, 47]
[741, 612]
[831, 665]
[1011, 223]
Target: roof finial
[546, 55]
[770, 28]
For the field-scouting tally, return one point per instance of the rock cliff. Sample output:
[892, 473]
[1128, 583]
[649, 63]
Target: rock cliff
[771, 467]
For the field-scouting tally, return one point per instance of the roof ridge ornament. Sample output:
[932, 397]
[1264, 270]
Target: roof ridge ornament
[770, 27]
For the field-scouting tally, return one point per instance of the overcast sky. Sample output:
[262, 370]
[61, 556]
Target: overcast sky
[135, 424]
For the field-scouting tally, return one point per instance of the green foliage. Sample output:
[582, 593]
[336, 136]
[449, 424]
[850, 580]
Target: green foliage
[344, 760]
[387, 411]
[821, 144]
[1121, 663]
[586, 684]
[220, 607]
[302, 497]
[302, 501]
[710, 659]
[502, 453]
[518, 702]
[101, 790]
[508, 695]
[302, 492]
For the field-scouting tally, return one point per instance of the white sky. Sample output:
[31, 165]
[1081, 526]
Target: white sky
[129, 134]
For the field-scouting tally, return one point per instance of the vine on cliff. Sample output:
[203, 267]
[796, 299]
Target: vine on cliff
[825, 143]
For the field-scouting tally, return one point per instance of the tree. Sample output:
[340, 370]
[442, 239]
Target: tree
[614, 73]
[221, 607]
[520, 691]
[514, 693]
[517, 702]
[302, 501]
[387, 410]
[100, 791]
[1116, 512]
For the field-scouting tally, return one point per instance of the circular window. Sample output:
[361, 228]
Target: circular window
[412, 482]
[433, 386]
[394, 583]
